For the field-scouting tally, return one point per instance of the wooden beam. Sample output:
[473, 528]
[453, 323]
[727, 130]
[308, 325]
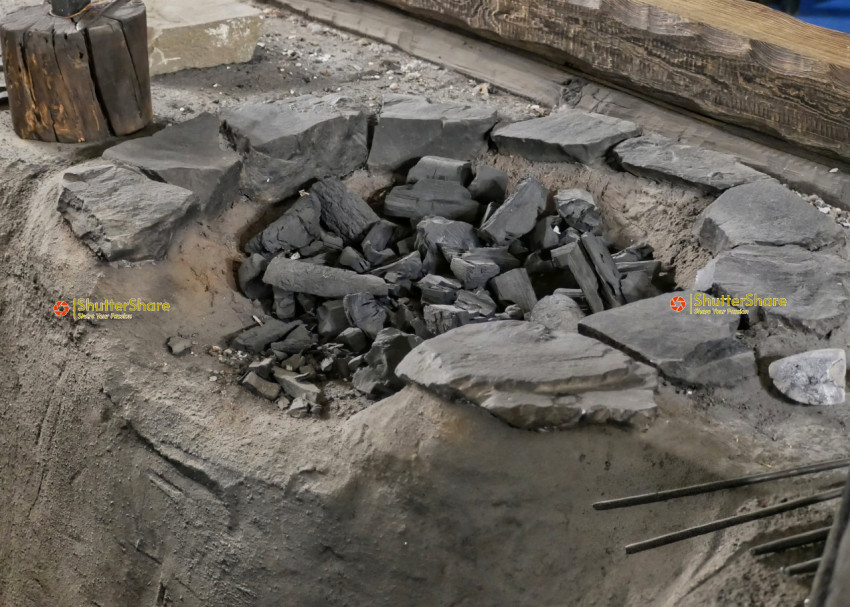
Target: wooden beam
[732, 60]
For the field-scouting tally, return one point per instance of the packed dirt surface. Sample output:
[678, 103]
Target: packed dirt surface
[132, 477]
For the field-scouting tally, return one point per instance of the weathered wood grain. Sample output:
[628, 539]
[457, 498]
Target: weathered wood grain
[736, 61]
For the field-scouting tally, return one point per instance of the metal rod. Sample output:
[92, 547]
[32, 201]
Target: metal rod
[660, 496]
[731, 521]
[803, 568]
[792, 541]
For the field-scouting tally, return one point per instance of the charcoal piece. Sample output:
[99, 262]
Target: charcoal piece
[544, 236]
[388, 350]
[284, 303]
[443, 169]
[294, 230]
[178, 345]
[518, 215]
[261, 387]
[364, 312]
[295, 387]
[489, 185]
[354, 339]
[579, 210]
[442, 318]
[322, 259]
[262, 367]
[473, 273]
[333, 242]
[434, 234]
[603, 264]
[250, 277]
[322, 281]
[569, 235]
[477, 303]
[407, 245]
[515, 287]
[497, 255]
[431, 197]
[438, 289]
[331, 319]
[297, 341]
[351, 259]
[307, 302]
[256, 339]
[381, 235]
[406, 319]
[517, 249]
[536, 264]
[514, 312]
[638, 285]
[636, 252]
[343, 212]
[314, 248]
[377, 258]
[572, 255]
[408, 267]
[651, 267]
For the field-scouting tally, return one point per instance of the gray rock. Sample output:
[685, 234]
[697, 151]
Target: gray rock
[388, 350]
[412, 127]
[515, 287]
[408, 267]
[764, 213]
[444, 169]
[497, 365]
[250, 277]
[189, 155]
[572, 257]
[557, 313]
[579, 210]
[565, 135]
[489, 186]
[473, 273]
[435, 236]
[297, 228]
[354, 339]
[288, 143]
[365, 313]
[518, 215]
[431, 197]
[343, 212]
[692, 348]
[296, 388]
[295, 342]
[331, 318]
[812, 283]
[442, 318]
[655, 157]
[606, 271]
[350, 258]
[122, 215]
[438, 289]
[478, 303]
[284, 303]
[299, 409]
[261, 387]
[262, 367]
[300, 277]
[178, 345]
[812, 378]
[256, 339]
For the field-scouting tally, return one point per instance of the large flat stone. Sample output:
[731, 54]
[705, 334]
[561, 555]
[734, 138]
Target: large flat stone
[811, 282]
[189, 155]
[656, 157]
[564, 135]
[764, 213]
[182, 35]
[697, 349]
[288, 143]
[412, 127]
[532, 377]
[121, 214]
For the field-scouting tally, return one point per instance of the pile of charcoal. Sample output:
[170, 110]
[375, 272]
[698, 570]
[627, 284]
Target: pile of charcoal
[350, 291]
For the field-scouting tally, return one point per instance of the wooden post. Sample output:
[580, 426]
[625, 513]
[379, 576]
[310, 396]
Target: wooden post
[81, 79]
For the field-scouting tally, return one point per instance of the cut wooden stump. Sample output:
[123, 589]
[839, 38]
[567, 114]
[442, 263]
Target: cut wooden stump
[77, 80]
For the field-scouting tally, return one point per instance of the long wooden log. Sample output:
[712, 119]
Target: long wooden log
[735, 61]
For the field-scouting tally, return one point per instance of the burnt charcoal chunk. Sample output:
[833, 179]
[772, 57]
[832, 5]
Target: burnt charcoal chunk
[443, 169]
[354, 339]
[284, 304]
[536, 264]
[572, 255]
[518, 215]
[442, 318]
[250, 277]
[603, 264]
[515, 287]
[489, 185]
[636, 252]
[579, 210]
[343, 212]
[364, 312]
[350, 258]
[262, 367]
[297, 341]
[434, 235]
[378, 376]
[430, 197]
[307, 302]
[294, 230]
[408, 267]
[261, 387]
[256, 339]
[381, 235]
[406, 319]
[497, 255]
[477, 303]
[638, 285]
[322, 281]
[545, 236]
[473, 274]
[331, 318]
[438, 290]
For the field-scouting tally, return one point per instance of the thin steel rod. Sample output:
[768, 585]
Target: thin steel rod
[792, 541]
[660, 496]
[685, 534]
[803, 568]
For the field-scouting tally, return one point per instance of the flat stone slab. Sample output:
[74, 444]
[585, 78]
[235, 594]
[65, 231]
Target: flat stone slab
[532, 377]
[656, 157]
[812, 378]
[698, 349]
[188, 155]
[564, 135]
[322, 281]
[410, 128]
[812, 283]
[764, 213]
[288, 143]
[182, 35]
[121, 214]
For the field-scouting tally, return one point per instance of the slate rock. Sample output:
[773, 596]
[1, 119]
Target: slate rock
[660, 158]
[564, 135]
[532, 377]
[813, 284]
[431, 197]
[435, 234]
[296, 341]
[261, 387]
[343, 212]
[322, 281]
[364, 312]
[489, 185]
[378, 376]
[678, 343]
[518, 215]
[441, 318]
[354, 339]
[411, 127]
[256, 339]
[438, 289]
[557, 313]
[188, 155]
[297, 228]
[473, 274]
[515, 287]
[331, 318]
[250, 277]
[765, 213]
[178, 345]
[121, 214]
[579, 210]
[443, 169]
[478, 303]
[286, 144]
[816, 377]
